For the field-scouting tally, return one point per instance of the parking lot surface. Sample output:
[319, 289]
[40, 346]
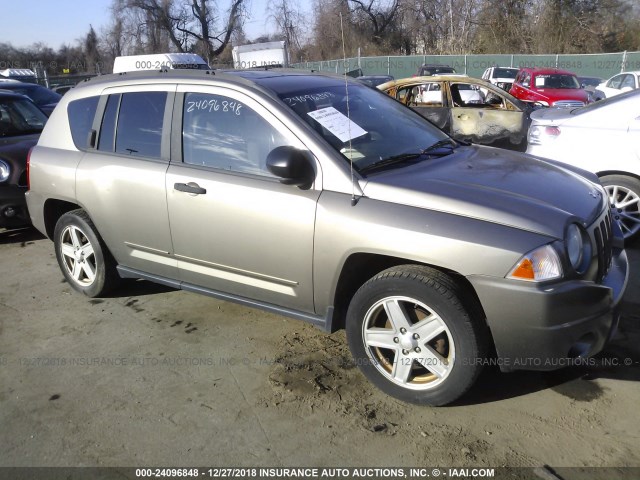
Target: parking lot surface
[157, 377]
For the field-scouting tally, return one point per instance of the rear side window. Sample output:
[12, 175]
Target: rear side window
[139, 129]
[81, 113]
[615, 82]
[628, 82]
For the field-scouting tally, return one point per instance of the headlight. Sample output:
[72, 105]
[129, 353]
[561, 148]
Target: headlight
[538, 265]
[578, 247]
[5, 170]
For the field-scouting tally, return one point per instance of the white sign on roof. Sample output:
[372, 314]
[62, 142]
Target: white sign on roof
[17, 72]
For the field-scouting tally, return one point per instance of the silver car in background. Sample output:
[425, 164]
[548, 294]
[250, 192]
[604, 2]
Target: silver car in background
[603, 138]
[317, 197]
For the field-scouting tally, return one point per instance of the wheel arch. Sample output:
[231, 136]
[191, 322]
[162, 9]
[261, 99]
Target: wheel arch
[622, 173]
[360, 267]
[53, 210]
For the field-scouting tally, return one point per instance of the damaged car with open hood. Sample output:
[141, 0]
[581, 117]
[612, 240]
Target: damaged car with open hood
[468, 109]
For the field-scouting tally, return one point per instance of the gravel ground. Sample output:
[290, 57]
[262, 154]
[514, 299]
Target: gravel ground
[157, 377]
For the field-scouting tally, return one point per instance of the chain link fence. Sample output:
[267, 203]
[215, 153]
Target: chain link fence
[602, 65]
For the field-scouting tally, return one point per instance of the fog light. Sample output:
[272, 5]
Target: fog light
[9, 212]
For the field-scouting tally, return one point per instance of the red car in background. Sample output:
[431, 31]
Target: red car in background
[550, 87]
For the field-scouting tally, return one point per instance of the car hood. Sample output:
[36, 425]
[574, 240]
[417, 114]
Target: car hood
[493, 185]
[18, 143]
[15, 149]
[555, 94]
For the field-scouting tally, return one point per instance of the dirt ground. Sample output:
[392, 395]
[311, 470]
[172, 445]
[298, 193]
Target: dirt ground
[158, 377]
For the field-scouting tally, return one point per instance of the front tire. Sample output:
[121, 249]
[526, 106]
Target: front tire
[84, 259]
[411, 334]
[624, 196]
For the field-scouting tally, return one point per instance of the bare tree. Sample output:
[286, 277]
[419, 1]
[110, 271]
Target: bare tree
[504, 26]
[374, 17]
[189, 25]
[290, 24]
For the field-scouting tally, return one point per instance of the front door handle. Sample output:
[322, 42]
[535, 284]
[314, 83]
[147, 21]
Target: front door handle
[464, 116]
[190, 187]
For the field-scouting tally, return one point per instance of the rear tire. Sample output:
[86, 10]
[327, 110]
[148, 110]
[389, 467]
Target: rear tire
[84, 259]
[624, 196]
[411, 334]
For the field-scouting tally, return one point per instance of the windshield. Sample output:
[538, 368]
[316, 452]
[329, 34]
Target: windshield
[20, 117]
[557, 80]
[505, 73]
[436, 70]
[378, 127]
[589, 81]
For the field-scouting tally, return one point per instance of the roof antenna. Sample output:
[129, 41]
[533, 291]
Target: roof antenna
[346, 89]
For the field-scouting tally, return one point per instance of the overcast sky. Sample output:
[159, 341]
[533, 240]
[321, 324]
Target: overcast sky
[57, 22]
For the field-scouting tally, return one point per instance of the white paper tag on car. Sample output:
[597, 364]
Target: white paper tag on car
[337, 123]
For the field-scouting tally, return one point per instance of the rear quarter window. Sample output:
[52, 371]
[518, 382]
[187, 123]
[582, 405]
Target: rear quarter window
[140, 119]
[81, 113]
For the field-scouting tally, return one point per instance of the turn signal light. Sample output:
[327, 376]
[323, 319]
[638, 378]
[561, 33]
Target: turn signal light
[524, 270]
[538, 265]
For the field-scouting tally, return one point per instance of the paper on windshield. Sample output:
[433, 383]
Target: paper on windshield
[337, 123]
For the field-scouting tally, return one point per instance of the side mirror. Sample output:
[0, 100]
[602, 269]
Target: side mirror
[293, 166]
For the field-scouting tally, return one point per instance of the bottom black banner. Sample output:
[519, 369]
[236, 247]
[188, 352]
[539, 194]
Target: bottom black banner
[288, 473]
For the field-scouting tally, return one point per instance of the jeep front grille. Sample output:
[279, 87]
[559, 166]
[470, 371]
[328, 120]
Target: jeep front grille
[568, 103]
[603, 237]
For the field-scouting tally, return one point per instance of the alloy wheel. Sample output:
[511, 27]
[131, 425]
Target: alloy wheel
[408, 342]
[625, 208]
[78, 256]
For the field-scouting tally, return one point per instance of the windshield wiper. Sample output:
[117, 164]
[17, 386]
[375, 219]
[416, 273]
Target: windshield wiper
[406, 157]
[396, 159]
[440, 144]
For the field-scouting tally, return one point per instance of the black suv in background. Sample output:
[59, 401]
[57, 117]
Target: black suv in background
[20, 125]
[44, 98]
[428, 69]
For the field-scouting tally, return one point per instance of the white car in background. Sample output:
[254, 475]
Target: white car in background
[620, 83]
[502, 77]
[603, 138]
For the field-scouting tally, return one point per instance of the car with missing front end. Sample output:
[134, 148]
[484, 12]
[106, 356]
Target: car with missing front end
[468, 109]
[319, 198]
[20, 125]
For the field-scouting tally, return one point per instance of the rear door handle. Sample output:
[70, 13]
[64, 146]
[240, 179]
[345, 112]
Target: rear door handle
[190, 187]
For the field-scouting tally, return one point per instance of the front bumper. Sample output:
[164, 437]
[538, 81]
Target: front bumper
[13, 207]
[545, 327]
